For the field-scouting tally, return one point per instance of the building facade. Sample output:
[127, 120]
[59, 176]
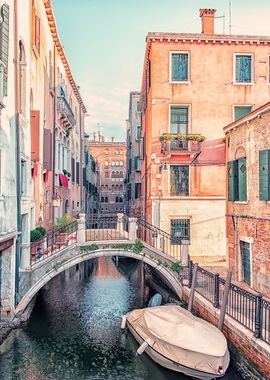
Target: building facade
[133, 160]
[185, 102]
[90, 181]
[111, 161]
[248, 196]
[41, 136]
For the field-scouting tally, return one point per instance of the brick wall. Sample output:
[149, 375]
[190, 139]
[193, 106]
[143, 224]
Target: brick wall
[246, 141]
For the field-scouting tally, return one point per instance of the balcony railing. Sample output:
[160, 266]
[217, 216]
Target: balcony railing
[66, 112]
[173, 143]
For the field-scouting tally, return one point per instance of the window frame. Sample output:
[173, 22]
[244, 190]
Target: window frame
[243, 106]
[188, 106]
[189, 179]
[252, 82]
[188, 237]
[187, 52]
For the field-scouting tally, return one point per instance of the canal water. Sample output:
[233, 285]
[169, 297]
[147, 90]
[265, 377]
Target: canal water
[74, 331]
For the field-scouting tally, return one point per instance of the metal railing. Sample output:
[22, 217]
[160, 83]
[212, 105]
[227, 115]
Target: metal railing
[248, 308]
[64, 108]
[180, 144]
[99, 228]
[159, 239]
[54, 241]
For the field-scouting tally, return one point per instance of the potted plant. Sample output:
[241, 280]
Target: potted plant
[62, 226]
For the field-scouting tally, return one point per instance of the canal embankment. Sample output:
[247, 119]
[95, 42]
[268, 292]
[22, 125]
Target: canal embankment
[250, 356]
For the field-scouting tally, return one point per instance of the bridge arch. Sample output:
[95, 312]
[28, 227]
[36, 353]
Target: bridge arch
[83, 256]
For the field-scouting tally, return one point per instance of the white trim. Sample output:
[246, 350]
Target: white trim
[241, 105]
[252, 69]
[188, 81]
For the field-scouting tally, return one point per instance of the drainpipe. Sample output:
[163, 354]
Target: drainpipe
[18, 154]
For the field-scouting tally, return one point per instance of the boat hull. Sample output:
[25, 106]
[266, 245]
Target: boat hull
[167, 363]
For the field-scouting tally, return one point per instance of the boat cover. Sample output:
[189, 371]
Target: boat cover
[182, 337]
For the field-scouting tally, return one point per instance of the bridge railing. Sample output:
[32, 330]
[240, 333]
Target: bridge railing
[159, 239]
[54, 241]
[103, 227]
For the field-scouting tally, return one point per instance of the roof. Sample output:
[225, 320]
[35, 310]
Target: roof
[248, 118]
[228, 38]
[59, 47]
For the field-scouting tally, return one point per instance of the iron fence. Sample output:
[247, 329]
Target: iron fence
[99, 228]
[248, 308]
[159, 239]
[55, 240]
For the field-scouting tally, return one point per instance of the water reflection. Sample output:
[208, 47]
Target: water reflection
[74, 331]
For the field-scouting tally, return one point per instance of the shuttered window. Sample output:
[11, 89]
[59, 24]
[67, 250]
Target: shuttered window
[35, 130]
[264, 175]
[73, 169]
[179, 67]
[4, 44]
[237, 180]
[78, 173]
[47, 149]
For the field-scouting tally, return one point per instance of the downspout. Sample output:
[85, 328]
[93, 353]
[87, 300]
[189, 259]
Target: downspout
[18, 155]
[81, 171]
[54, 127]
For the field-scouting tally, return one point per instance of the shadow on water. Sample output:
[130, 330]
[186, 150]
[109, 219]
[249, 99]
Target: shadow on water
[74, 331]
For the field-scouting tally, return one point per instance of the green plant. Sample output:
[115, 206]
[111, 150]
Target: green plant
[165, 264]
[58, 265]
[92, 247]
[176, 267]
[42, 230]
[67, 173]
[188, 137]
[35, 235]
[122, 246]
[138, 246]
[67, 132]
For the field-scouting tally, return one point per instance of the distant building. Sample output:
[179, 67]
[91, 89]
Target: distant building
[90, 176]
[133, 162]
[248, 209]
[193, 85]
[111, 161]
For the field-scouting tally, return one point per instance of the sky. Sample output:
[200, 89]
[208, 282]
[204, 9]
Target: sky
[104, 41]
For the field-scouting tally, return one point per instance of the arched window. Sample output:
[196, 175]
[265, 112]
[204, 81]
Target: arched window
[59, 152]
[106, 199]
[121, 174]
[121, 188]
[116, 199]
[22, 79]
[120, 200]
[102, 199]
[66, 210]
[113, 174]
[117, 174]
[106, 188]
[117, 163]
[113, 163]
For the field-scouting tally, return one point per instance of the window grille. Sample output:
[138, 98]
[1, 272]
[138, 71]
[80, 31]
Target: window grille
[180, 229]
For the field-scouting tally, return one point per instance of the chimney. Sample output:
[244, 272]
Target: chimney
[99, 136]
[208, 20]
[112, 139]
[95, 137]
[103, 138]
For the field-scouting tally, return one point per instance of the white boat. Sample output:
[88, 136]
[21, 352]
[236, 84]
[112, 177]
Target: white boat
[179, 341]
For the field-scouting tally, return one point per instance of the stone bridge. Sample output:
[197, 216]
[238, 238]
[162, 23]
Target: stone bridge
[107, 238]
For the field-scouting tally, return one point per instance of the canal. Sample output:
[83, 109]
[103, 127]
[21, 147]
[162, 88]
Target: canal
[74, 331]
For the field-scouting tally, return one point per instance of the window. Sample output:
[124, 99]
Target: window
[179, 67]
[106, 165]
[179, 119]
[23, 177]
[137, 190]
[22, 78]
[180, 229]
[241, 111]
[264, 175]
[106, 200]
[102, 199]
[106, 174]
[113, 163]
[139, 132]
[245, 259]
[4, 46]
[243, 68]
[237, 180]
[137, 164]
[179, 177]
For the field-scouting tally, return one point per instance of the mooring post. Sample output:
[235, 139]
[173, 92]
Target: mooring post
[216, 291]
[193, 286]
[190, 271]
[225, 301]
[258, 316]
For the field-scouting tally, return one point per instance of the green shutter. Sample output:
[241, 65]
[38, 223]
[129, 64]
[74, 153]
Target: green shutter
[4, 41]
[233, 181]
[242, 179]
[264, 177]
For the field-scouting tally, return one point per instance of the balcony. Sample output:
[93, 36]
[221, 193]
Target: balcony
[181, 144]
[67, 115]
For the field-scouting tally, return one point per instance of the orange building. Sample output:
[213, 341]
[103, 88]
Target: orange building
[193, 85]
[111, 161]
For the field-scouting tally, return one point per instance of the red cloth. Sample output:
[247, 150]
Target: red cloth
[63, 180]
[35, 170]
